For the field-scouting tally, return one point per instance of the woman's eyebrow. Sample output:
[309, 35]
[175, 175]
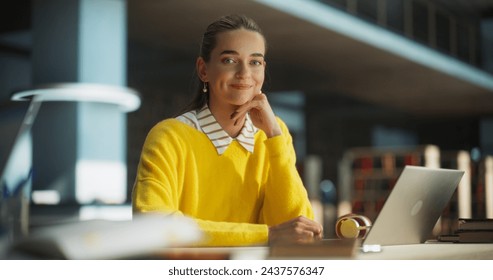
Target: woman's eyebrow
[229, 52]
[236, 53]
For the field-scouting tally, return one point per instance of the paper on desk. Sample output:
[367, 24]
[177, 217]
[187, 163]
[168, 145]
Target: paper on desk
[100, 239]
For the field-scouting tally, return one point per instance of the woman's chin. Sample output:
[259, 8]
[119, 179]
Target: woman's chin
[239, 101]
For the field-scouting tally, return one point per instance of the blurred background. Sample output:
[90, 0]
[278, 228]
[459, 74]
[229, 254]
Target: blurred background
[365, 86]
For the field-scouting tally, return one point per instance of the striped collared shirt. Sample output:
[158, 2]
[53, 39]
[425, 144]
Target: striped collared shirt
[204, 121]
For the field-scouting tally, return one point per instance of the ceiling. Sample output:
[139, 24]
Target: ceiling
[313, 59]
[302, 55]
[474, 8]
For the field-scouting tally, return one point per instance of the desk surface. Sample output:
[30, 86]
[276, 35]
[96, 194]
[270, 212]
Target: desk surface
[427, 251]
[432, 251]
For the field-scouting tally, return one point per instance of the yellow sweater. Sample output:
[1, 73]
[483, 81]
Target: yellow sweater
[233, 196]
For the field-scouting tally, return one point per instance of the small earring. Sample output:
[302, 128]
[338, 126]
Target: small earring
[204, 89]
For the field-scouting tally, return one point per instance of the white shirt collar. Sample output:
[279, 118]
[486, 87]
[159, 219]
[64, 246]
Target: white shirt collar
[204, 121]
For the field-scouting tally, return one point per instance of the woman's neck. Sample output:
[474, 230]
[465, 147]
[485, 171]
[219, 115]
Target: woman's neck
[222, 114]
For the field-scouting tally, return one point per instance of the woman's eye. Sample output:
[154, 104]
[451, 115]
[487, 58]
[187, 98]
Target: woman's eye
[256, 62]
[228, 60]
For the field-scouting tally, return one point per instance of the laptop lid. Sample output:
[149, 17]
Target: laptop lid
[414, 206]
[16, 166]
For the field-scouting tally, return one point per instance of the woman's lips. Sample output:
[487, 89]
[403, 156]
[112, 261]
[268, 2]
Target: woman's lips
[241, 86]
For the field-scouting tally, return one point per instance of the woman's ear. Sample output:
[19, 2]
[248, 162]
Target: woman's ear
[201, 69]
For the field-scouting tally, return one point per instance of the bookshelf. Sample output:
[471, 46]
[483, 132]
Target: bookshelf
[367, 176]
[460, 205]
[483, 190]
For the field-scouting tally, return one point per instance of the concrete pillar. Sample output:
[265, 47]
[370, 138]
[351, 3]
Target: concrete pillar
[487, 44]
[486, 124]
[486, 136]
[80, 41]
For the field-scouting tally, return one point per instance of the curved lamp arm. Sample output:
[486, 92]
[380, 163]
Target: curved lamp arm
[127, 99]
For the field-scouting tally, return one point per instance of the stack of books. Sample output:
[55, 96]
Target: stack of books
[471, 231]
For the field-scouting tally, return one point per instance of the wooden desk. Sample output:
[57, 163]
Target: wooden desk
[427, 251]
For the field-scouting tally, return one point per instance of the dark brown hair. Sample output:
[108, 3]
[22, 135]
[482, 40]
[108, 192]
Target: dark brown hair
[223, 24]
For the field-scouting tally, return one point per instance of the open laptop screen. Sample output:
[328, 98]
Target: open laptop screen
[414, 206]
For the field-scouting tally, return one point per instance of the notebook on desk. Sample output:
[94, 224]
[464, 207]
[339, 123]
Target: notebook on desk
[413, 207]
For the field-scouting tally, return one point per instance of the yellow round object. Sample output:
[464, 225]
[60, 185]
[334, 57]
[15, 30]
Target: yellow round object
[349, 228]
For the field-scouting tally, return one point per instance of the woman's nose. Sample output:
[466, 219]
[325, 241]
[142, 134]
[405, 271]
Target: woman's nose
[242, 70]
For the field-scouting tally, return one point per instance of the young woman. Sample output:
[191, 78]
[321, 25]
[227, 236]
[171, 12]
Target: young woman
[228, 161]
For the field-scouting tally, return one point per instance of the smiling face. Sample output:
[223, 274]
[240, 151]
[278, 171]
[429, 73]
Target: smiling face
[235, 71]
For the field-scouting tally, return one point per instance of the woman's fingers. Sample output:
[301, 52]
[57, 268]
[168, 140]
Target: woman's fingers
[297, 230]
[256, 102]
[261, 115]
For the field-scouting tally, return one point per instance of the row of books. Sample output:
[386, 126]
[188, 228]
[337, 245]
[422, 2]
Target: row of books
[471, 231]
[387, 161]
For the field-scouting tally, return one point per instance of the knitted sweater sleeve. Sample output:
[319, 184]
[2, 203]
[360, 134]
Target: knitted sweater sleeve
[285, 194]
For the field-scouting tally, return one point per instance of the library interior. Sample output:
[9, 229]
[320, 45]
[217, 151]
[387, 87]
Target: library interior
[365, 88]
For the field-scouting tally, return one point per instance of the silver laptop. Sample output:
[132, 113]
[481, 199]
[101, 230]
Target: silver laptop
[413, 207]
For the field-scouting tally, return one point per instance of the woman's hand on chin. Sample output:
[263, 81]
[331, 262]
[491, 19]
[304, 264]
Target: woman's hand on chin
[261, 115]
